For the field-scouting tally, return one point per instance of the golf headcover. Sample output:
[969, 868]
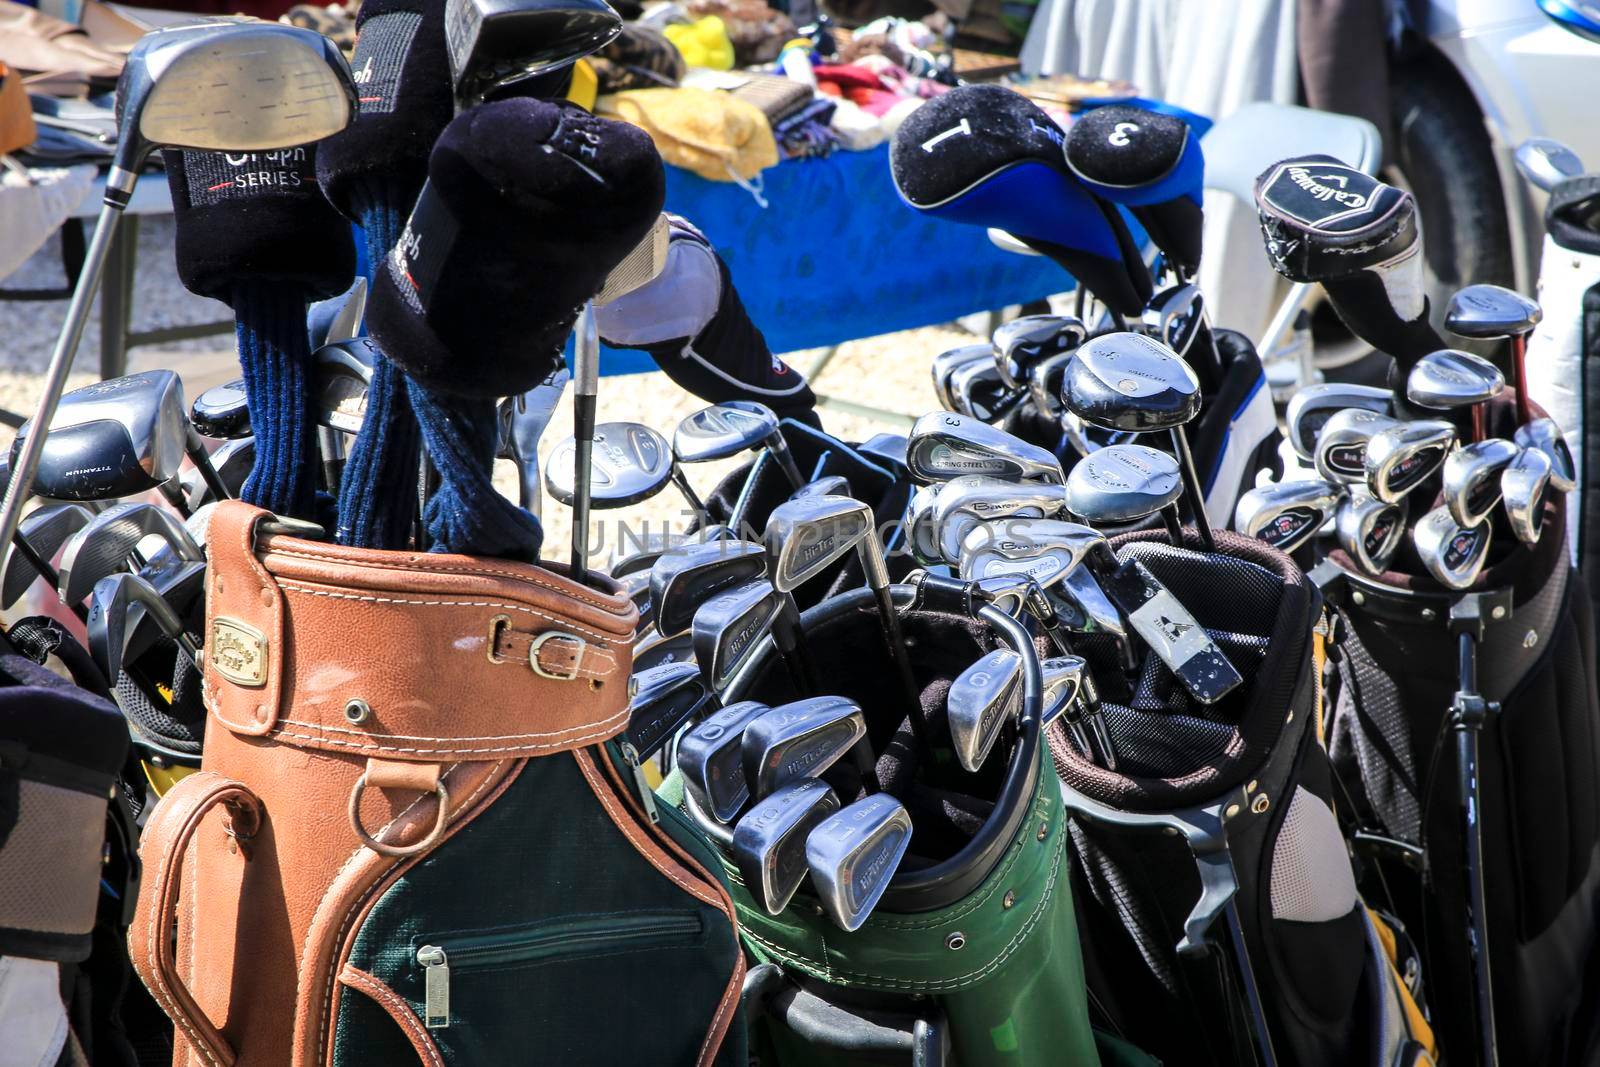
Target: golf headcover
[1326, 222]
[692, 322]
[987, 156]
[372, 171]
[254, 231]
[527, 208]
[1150, 163]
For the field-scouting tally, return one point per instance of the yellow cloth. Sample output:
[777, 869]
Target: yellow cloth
[585, 85]
[703, 42]
[711, 133]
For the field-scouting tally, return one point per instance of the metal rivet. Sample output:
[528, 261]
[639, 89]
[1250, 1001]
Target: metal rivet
[1251, 788]
[1358, 598]
[956, 941]
[1530, 639]
[357, 711]
[262, 714]
[266, 596]
[1233, 809]
[1169, 831]
[1044, 830]
[1499, 612]
[1428, 615]
[1009, 899]
[1260, 804]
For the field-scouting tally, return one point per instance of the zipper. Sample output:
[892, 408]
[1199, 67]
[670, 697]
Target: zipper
[567, 938]
[647, 796]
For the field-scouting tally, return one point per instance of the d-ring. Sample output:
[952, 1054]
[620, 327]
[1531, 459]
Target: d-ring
[398, 850]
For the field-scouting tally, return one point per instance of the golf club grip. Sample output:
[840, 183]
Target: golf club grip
[583, 408]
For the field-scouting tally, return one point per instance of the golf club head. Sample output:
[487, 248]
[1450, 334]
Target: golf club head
[1547, 162]
[972, 499]
[222, 412]
[663, 700]
[724, 430]
[113, 438]
[1045, 380]
[631, 462]
[232, 461]
[46, 528]
[1175, 317]
[1402, 457]
[980, 701]
[1472, 478]
[656, 649]
[1044, 550]
[238, 85]
[1545, 435]
[979, 391]
[1449, 379]
[944, 445]
[1069, 689]
[1127, 381]
[853, 855]
[729, 627]
[1523, 485]
[1085, 594]
[683, 578]
[947, 362]
[105, 543]
[338, 318]
[805, 537]
[1370, 531]
[494, 44]
[769, 841]
[1487, 312]
[1031, 339]
[109, 624]
[799, 740]
[827, 485]
[180, 584]
[1122, 483]
[922, 532]
[1288, 514]
[1341, 447]
[341, 374]
[1313, 405]
[1452, 553]
[711, 759]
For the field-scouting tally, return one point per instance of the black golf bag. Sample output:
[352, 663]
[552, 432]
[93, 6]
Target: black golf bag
[1399, 720]
[1222, 922]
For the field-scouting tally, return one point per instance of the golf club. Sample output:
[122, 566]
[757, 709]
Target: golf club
[1312, 406]
[769, 840]
[664, 699]
[1126, 483]
[803, 739]
[711, 760]
[1523, 485]
[1369, 530]
[1341, 447]
[1402, 457]
[108, 620]
[1472, 478]
[1491, 312]
[1546, 436]
[629, 463]
[45, 530]
[1452, 553]
[1547, 162]
[980, 701]
[1288, 514]
[1450, 379]
[853, 855]
[945, 444]
[724, 430]
[522, 422]
[222, 412]
[105, 544]
[973, 499]
[1028, 340]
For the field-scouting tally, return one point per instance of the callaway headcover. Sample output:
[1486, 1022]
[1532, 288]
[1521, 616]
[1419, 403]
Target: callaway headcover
[1326, 222]
[1151, 163]
[402, 77]
[692, 322]
[256, 218]
[528, 206]
[987, 156]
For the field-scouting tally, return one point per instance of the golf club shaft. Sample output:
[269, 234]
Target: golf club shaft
[780, 452]
[895, 638]
[585, 380]
[208, 474]
[1519, 371]
[1467, 727]
[1247, 979]
[55, 379]
[1174, 524]
[1480, 419]
[1191, 482]
[689, 495]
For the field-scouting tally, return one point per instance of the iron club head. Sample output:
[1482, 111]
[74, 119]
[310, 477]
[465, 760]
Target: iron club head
[710, 758]
[683, 578]
[1547, 437]
[945, 444]
[728, 628]
[980, 701]
[46, 529]
[1313, 405]
[769, 840]
[1402, 457]
[1523, 486]
[1370, 531]
[1030, 339]
[1288, 514]
[105, 543]
[972, 499]
[1452, 553]
[1472, 479]
[799, 740]
[663, 700]
[853, 855]
[1341, 447]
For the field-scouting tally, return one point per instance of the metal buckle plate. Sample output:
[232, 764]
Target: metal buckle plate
[538, 642]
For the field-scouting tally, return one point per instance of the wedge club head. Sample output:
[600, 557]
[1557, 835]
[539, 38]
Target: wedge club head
[1370, 531]
[945, 444]
[1402, 457]
[1452, 553]
[1524, 484]
[1472, 479]
[981, 699]
[1546, 436]
[769, 841]
[1288, 514]
[710, 758]
[1313, 405]
[853, 855]
[799, 740]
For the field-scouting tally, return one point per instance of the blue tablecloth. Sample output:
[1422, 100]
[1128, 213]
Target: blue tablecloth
[836, 255]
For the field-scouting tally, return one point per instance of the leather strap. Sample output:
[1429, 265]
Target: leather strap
[167, 836]
[550, 653]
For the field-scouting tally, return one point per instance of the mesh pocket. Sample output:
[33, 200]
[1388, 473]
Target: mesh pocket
[1311, 878]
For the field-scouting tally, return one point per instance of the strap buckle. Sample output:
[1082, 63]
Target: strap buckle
[577, 658]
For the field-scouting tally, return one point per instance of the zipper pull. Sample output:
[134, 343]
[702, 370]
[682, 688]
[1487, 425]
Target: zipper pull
[436, 987]
[630, 756]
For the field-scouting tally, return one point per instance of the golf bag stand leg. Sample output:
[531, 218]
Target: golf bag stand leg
[1468, 713]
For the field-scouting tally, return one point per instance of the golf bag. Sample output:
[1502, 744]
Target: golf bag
[1221, 919]
[419, 856]
[1397, 725]
[971, 956]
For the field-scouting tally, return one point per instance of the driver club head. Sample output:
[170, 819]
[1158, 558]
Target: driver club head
[1402, 457]
[1123, 483]
[853, 855]
[799, 740]
[1452, 553]
[1288, 514]
[662, 701]
[495, 44]
[1545, 435]
[1127, 381]
[630, 462]
[949, 361]
[1524, 484]
[1472, 478]
[683, 578]
[45, 528]
[1312, 406]
[1547, 162]
[972, 499]
[769, 840]
[728, 628]
[105, 543]
[945, 444]
[980, 700]
[711, 760]
[1489, 312]
[1042, 550]
[1370, 531]
[1341, 447]
[1028, 340]
[222, 412]
[724, 430]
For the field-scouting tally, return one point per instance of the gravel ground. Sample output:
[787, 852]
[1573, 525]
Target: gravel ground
[887, 372]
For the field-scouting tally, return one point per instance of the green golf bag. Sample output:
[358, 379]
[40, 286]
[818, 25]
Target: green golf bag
[1221, 919]
[971, 955]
